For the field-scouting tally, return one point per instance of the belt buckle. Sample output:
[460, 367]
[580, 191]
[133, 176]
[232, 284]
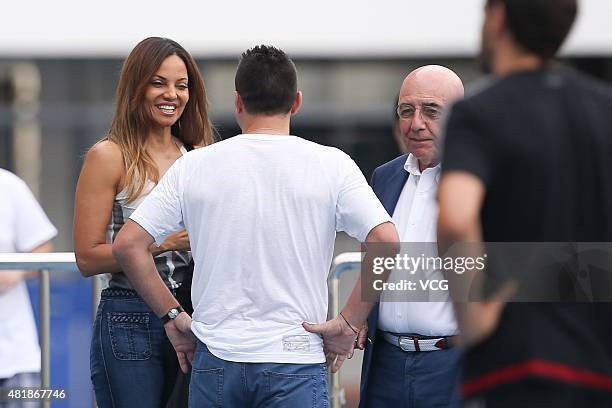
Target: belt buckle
[406, 342]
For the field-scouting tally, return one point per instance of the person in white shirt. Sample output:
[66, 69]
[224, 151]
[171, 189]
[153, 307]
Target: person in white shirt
[410, 361]
[262, 210]
[25, 228]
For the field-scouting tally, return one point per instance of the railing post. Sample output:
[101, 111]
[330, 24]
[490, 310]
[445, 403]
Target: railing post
[338, 399]
[96, 288]
[342, 263]
[45, 332]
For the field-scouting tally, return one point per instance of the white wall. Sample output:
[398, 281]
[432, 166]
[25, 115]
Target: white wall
[224, 28]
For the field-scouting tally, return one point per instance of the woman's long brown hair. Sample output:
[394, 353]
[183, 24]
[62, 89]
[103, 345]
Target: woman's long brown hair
[132, 120]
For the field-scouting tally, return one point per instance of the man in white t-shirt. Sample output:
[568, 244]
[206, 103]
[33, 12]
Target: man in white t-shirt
[24, 228]
[261, 210]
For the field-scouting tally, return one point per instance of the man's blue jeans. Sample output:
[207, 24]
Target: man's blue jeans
[220, 383]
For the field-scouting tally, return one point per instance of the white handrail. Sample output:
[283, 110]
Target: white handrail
[64, 261]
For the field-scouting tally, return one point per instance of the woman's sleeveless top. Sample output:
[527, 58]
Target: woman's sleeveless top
[171, 265]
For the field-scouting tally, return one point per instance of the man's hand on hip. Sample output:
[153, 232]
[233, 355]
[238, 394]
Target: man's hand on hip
[338, 340]
[182, 338]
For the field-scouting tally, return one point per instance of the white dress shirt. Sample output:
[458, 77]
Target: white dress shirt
[415, 216]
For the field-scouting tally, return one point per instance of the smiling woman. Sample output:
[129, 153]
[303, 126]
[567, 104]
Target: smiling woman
[169, 92]
[161, 113]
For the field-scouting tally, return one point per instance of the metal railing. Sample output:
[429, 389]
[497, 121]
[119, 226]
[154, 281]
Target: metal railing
[65, 261]
[342, 263]
[43, 263]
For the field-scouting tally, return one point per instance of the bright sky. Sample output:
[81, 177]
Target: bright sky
[397, 28]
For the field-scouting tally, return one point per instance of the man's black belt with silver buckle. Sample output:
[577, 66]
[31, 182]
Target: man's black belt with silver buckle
[418, 343]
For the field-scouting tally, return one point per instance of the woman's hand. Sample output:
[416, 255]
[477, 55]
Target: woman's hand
[177, 241]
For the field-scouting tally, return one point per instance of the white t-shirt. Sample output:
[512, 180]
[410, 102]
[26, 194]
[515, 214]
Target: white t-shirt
[262, 213]
[23, 227]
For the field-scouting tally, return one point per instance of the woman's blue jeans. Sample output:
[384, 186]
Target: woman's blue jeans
[130, 357]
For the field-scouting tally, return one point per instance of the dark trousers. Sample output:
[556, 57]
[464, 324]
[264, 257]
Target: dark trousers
[400, 379]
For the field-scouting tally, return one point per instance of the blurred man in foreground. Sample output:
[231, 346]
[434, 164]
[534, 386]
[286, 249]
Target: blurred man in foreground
[529, 159]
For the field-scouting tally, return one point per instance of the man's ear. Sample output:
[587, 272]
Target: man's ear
[297, 103]
[499, 18]
[238, 104]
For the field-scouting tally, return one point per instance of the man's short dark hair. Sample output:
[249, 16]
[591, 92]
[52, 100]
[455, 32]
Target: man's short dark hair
[266, 80]
[540, 26]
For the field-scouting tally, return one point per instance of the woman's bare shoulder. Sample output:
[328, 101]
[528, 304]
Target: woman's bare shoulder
[105, 157]
[105, 153]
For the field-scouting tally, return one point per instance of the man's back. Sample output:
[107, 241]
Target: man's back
[544, 152]
[540, 142]
[262, 212]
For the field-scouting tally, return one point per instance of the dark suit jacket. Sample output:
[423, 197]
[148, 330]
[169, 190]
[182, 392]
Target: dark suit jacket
[387, 182]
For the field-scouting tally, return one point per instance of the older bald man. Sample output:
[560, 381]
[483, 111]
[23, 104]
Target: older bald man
[410, 361]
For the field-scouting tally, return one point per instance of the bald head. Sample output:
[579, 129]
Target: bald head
[434, 80]
[426, 92]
